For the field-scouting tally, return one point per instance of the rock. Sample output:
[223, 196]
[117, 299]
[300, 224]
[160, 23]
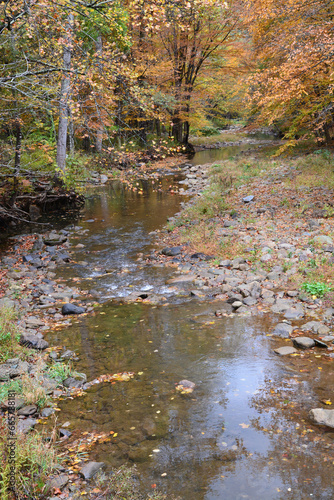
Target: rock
[294, 313]
[323, 240]
[248, 199]
[181, 279]
[33, 341]
[185, 386]
[34, 322]
[68, 355]
[225, 263]
[236, 304]
[281, 306]
[18, 403]
[318, 343]
[58, 482]
[197, 293]
[201, 256]
[47, 412]
[27, 411]
[282, 330]
[327, 338]
[322, 417]
[26, 425]
[13, 368]
[315, 327]
[76, 381]
[230, 223]
[103, 178]
[266, 257]
[303, 342]
[285, 350]
[64, 433]
[70, 308]
[89, 470]
[250, 301]
[171, 251]
[54, 239]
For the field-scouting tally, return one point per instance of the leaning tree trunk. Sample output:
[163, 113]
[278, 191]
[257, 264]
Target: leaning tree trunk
[64, 98]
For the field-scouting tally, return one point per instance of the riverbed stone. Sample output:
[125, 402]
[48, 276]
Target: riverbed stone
[294, 313]
[70, 308]
[90, 469]
[285, 350]
[323, 240]
[303, 342]
[171, 251]
[26, 425]
[54, 239]
[47, 412]
[27, 411]
[322, 417]
[249, 301]
[315, 327]
[33, 341]
[282, 330]
[58, 482]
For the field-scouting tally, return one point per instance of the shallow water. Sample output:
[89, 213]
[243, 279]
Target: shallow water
[243, 433]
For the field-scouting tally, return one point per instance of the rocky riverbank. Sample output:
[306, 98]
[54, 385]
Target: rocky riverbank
[269, 251]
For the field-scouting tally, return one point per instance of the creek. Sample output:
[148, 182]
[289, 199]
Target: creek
[242, 433]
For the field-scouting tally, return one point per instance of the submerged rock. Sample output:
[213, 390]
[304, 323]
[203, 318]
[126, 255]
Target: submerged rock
[185, 386]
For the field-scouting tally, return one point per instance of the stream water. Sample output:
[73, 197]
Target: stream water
[244, 432]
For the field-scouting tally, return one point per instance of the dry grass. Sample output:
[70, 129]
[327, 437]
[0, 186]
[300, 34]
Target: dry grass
[313, 170]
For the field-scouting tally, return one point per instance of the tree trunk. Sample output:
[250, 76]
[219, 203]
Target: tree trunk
[64, 98]
[70, 131]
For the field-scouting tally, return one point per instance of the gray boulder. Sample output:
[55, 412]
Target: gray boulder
[322, 417]
[89, 470]
[282, 330]
[285, 350]
[72, 309]
[303, 342]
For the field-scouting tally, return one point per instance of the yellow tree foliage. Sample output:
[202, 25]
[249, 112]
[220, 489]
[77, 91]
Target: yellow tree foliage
[292, 85]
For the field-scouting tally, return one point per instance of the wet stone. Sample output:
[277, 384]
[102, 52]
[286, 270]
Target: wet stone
[321, 344]
[47, 412]
[303, 342]
[282, 330]
[72, 309]
[316, 327]
[89, 470]
[285, 350]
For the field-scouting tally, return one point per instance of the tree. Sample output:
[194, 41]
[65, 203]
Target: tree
[175, 42]
[292, 85]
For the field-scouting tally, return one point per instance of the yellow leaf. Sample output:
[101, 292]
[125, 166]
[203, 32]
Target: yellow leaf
[244, 426]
